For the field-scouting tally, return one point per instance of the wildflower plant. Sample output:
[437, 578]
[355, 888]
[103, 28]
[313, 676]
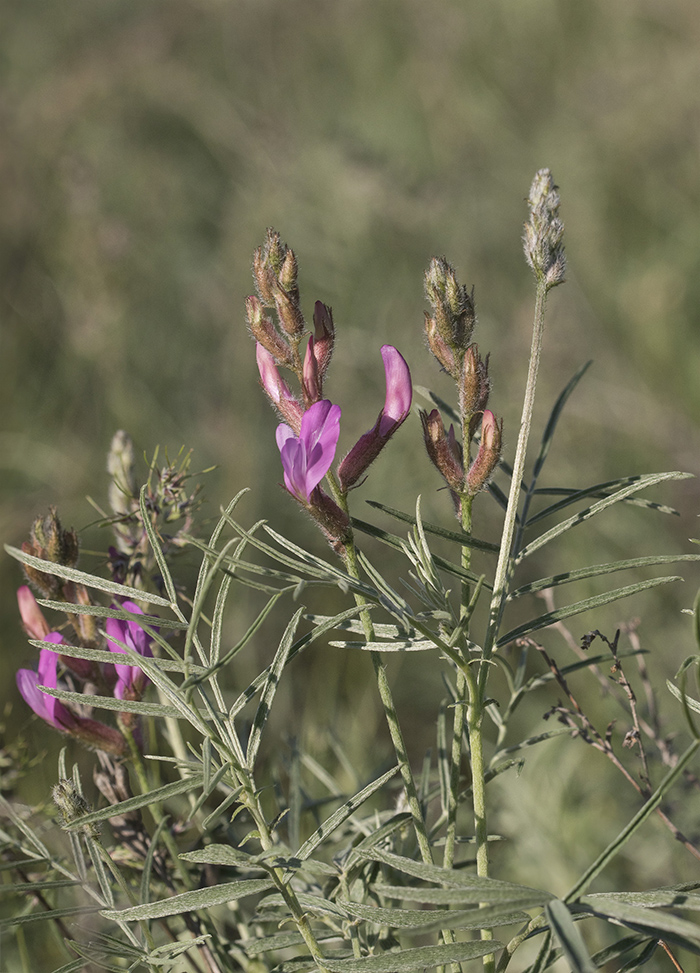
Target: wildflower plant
[192, 851]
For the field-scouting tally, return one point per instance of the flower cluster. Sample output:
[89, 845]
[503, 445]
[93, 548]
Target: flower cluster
[449, 332]
[308, 435]
[124, 680]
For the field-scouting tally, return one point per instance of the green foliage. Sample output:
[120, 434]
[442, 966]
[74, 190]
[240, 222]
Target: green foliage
[235, 852]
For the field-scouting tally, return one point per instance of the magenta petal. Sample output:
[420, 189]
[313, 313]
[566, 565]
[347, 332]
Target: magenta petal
[399, 391]
[320, 431]
[135, 638]
[27, 683]
[47, 707]
[307, 459]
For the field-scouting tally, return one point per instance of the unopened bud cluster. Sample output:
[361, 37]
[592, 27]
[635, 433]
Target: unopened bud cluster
[544, 231]
[448, 329]
[310, 429]
[279, 342]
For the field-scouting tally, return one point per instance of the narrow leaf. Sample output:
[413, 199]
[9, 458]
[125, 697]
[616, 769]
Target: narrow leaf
[458, 537]
[638, 483]
[639, 818]
[156, 548]
[190, 901]
[448, 876]
[509, 896]
[268, 693]
[342, 814]
[597, 491]
[156, 796]
[82, 910]
[597, 601]
[100, 655]
[89, 580]
[421, 957]
[426, 920]
[399, 645]
[683, 697]
[99, 611]
[569, 936]
[598, 570]
[110, 703]
[661, 925]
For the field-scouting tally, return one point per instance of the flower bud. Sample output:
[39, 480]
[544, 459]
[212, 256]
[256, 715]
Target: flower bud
[443, 451]
[264, 332]
[488, 455]
[324, 337]
[50, 542]
[439, 348]
[453, 305]
[543, 233]
[289, 311]
[311, 379]
[33, 621]
[474, 385]
[277, 390]
[270, 264]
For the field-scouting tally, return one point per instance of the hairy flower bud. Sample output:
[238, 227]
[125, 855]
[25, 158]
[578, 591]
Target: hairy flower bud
[289, 311]
[439, 347]
[279, 393]
[50, 542]
[543, 233]
[271, 267]
[324, 337]
[264, 332]
[72, 805]
[312, 383]
[453, 305]
[488, 455]
[443, 450]
[474, 385]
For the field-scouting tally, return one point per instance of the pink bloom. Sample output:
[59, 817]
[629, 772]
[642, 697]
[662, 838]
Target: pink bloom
[131, 679]
[307, 458]
[33, 621]
[397, 405]
[399, 391]
[28, 682]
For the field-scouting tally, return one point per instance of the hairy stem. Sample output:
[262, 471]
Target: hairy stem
[503, 568]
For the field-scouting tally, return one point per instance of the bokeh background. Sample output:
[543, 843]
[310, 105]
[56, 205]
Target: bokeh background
[146, 147]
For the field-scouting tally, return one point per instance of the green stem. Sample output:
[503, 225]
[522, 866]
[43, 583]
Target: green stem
[212, 954]
[392, 719]
[504, 566]
[462, 702]
[250, 797]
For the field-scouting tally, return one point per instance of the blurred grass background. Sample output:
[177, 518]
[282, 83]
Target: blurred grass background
[146, 147]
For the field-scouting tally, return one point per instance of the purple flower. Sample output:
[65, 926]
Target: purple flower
[307, 458]
[28, 682]
[131, 679]
[397, 405]
[399, 391]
